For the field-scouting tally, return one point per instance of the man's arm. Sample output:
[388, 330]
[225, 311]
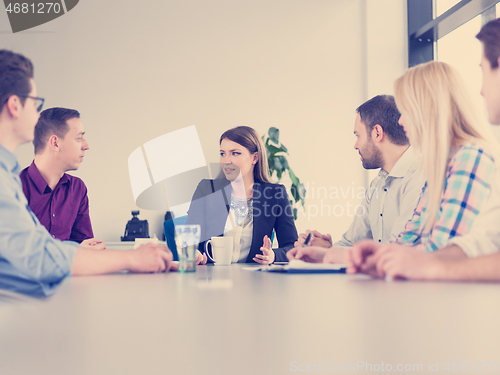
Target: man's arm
[410, 198]
[25, 243]
[321, 248]
[148, 258]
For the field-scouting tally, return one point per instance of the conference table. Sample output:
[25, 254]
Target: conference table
[231, 320]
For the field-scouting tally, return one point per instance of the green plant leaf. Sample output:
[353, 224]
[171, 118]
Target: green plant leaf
[283, 162]
[277, 164]
[295, 193]
[294, 178]
[302, 191]
[274, 134]
[273, 149]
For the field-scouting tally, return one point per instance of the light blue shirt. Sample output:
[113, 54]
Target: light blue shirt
[31, 261]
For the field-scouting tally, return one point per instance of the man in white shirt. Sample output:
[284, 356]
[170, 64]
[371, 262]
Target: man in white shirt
[392, 196]
[474, 256]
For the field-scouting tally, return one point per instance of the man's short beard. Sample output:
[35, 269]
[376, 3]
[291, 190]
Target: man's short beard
[373, 158]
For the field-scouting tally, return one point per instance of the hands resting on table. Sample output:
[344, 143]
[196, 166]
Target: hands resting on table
[95, 259]
[368, 257]
[93, 243]
[319, 250]
[371, 258]
[158, 258]
[267, 256]
[148, 258]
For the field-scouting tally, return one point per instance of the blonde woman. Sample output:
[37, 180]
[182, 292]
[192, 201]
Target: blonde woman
[456, 155]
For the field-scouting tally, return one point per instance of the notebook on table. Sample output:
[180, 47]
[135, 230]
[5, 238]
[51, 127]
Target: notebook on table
[299, 266]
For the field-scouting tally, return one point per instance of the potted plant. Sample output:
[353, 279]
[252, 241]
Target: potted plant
[278, 167]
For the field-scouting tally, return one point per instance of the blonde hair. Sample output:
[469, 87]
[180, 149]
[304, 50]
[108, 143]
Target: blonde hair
[248, 138]
[435, 105]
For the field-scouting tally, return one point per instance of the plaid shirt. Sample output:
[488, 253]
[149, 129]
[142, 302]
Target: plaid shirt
[466, 188]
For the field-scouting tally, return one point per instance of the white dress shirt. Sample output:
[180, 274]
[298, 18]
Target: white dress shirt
[388, 204]
[242, 236]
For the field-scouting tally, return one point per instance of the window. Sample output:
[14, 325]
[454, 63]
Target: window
[449, 35]
[441, 6]
[462, 50]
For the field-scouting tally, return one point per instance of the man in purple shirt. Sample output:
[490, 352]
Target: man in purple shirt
[31, 260]
[59, 200]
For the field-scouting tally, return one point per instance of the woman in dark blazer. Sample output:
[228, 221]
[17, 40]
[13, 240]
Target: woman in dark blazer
[243, 203]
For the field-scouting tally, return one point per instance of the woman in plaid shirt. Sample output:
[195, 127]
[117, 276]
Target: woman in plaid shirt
[457, 158]
[456, 155]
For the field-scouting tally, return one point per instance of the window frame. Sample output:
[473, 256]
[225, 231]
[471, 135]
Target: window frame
[424, 29]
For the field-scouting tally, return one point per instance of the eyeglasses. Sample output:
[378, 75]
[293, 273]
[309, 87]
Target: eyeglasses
[38, 101]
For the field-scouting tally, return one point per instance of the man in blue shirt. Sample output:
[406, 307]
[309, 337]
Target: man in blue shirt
[31, 261]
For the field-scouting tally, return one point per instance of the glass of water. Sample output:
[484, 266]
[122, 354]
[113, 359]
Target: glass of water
[187, 238]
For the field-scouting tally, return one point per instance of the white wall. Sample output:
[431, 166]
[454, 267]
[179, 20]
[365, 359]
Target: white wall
[137, 70]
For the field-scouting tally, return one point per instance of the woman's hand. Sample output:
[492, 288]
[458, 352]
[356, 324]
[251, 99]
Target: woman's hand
[362, 258]
[201, 258]
[267, 256]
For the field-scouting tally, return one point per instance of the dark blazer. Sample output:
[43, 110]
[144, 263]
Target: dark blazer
[271, 210]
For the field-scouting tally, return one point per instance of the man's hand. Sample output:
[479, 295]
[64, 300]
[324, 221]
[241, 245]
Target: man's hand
[150, 258]
[268, 255]
[311, 254]
[93, 243]
[319, 240]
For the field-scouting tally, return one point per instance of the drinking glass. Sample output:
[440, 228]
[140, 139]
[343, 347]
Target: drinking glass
[187, 238]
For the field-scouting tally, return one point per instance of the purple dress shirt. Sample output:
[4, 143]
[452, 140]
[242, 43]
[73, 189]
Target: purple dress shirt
[64, 211]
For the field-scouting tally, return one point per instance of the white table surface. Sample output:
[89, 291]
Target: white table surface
[125, 245]
[226, 320]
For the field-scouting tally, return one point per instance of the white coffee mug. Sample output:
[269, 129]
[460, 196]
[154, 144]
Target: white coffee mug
[222, 250]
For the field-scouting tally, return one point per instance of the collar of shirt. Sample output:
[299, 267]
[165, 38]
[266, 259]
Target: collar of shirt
[39, 181]
[9, 161]
[403, 165]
